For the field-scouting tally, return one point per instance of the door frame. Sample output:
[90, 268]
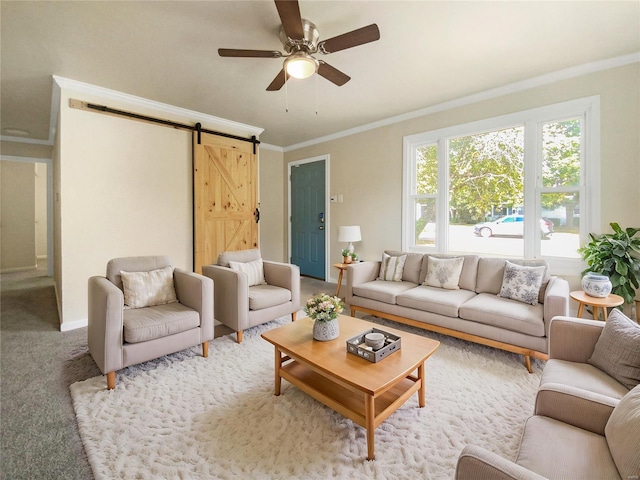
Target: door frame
[327, 217]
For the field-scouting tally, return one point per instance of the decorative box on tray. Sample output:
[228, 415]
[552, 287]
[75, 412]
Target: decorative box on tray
[357, 346]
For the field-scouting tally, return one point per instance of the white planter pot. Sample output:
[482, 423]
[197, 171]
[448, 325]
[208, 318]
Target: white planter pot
[596, 285]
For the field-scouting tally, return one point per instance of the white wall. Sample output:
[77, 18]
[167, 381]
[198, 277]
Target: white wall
[272, 188]
[18, 232]
[367, 167]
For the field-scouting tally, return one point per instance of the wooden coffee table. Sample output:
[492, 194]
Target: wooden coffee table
[365, 392]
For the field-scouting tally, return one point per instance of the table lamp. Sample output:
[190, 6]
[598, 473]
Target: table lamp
[349, 234]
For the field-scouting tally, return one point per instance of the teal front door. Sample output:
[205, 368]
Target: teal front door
[308, 218]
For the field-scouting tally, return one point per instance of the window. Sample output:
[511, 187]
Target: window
[515, 185]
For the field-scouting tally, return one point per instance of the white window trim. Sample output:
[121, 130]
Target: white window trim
[588, 108]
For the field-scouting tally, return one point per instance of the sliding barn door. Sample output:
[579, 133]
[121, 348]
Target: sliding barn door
[225, 197]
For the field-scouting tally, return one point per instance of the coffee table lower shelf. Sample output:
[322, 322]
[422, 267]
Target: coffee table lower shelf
[365, 409]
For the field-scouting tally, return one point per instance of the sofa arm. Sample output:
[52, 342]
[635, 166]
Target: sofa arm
[575, 406]
[230, 296]
[556, 300]
[476, 463]
[284, 275]
[196, 291]
[573, 339]
[105, 324]
[358, 273]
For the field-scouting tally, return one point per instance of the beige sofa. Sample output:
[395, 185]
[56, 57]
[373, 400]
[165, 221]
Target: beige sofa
[473, 312]
[586, 423]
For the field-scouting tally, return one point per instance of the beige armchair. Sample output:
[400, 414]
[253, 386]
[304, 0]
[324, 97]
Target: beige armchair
[244, 298]
[119, 337]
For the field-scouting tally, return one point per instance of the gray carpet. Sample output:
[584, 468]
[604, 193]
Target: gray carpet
[40, 436]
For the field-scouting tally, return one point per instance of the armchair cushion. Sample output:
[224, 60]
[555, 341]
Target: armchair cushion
[254, 271]
[147, 289]
[617, 351]
[623, 434]
[143, 324]
[265, 296]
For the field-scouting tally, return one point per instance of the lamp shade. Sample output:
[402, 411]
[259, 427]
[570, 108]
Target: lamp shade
[300, 65]
[350, 233]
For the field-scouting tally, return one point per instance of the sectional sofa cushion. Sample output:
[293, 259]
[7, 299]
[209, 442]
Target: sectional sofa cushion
[617, 351]
[504, 313]
[435, 300]
[382, 290]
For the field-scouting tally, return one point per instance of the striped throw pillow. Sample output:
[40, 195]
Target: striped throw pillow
[254, 271]
[392, 267]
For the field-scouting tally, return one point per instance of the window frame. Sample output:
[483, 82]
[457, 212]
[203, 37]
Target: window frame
[533, 120]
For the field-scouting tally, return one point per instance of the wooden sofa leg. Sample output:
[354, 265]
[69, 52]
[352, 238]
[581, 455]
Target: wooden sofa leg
[205, 349]
[293, 316]
[239, 335]
[527, 363]
[111, 380]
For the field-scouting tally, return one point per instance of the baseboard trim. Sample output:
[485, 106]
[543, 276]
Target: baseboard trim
[18, 269]
[66, 326]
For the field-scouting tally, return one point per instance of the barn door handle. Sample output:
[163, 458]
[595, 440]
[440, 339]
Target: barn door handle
[257, 215]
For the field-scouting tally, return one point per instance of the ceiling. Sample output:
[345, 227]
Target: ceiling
[429, 52]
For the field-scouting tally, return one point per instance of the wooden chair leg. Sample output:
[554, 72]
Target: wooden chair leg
[111, 380]
[239, 335]
[293, 316]
[527, 363]
[205, 349]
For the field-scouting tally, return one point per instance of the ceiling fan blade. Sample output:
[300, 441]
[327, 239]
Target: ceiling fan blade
[232, 52]
[277, 82]
[289, 11]
[332, 74]
[367, 34]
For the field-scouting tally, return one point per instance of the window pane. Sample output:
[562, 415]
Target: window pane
[425, 225]
[427, 170]
[561, 154]
[486, 193]
[563, 210]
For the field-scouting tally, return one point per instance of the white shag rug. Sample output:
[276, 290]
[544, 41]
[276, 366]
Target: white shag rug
[189, 417]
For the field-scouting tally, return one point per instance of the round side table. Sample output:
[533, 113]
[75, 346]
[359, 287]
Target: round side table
[597, 303]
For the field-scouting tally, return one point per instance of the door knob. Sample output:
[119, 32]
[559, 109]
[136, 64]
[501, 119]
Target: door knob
[321, 227]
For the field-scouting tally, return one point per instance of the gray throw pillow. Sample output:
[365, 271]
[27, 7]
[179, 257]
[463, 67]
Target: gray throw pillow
[617, 351]
[623, 434]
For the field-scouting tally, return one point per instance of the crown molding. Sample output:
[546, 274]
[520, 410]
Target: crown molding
[533, 82]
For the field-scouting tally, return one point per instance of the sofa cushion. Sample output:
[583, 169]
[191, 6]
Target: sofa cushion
[147, 289]
[522, 283]
[467, 276]
[582, 376]
[143, 324]
[391, 267]
[555, 449]
[435, 300]
[504, 313]
[382, 291]
[265, 296]
[491, 272]
[444, 272]
[253, 269]
[238, 256]
[623, 434]
[617, 351]
[412, 265]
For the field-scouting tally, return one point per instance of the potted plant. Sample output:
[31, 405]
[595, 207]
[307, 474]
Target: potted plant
[347, 255]
[615, 255]
[324, 310]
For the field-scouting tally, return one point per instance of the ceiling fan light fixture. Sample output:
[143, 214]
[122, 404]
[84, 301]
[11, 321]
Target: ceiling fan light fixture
[300, 65]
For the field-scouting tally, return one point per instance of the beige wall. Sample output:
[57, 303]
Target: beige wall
[367, 167]
[272, 187]
[41, 210]
[18, 238]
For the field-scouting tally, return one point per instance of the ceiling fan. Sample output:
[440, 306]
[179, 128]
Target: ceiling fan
[299, 38]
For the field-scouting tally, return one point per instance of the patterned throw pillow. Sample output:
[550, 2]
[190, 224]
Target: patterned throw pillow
[444, 272]
[254, 271]
[617, 351]
[146, 289]
[392, 267]
[522, 283]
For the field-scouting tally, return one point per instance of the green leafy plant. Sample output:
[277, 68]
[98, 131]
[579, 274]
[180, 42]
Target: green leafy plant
[324, 307]
[345, 252]
[612, 254]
